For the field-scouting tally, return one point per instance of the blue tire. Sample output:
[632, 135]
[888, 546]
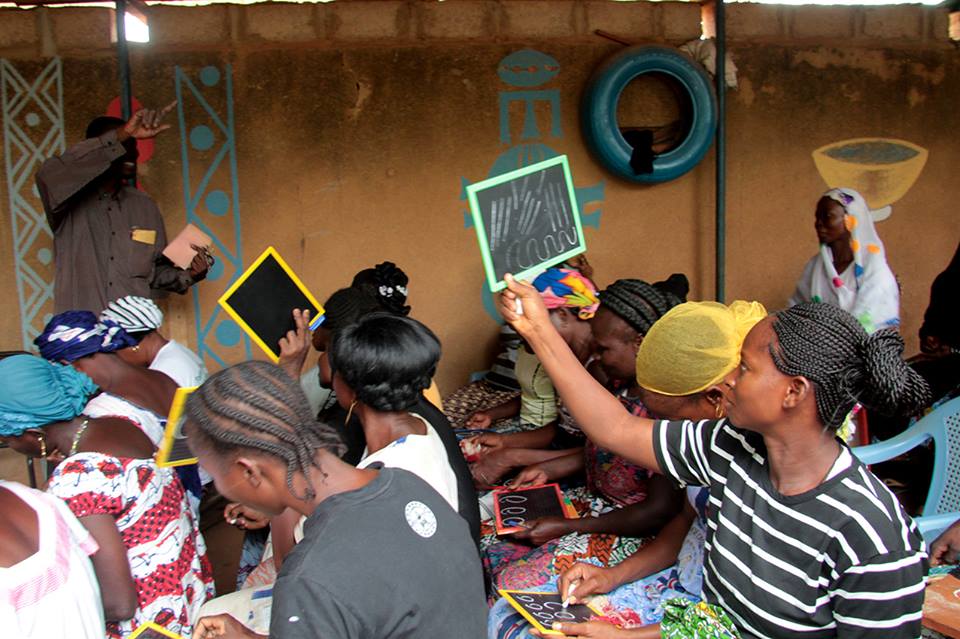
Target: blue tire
[599, 112]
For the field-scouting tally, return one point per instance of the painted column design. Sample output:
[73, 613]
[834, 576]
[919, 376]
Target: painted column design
[32, 132]
[211, 194]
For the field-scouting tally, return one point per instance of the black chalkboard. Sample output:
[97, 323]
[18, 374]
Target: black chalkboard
[262, 301]
[541, 609]
[513, 508]
[526, 220]
[151, 630]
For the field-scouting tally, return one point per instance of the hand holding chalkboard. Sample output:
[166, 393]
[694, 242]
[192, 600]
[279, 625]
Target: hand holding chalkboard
[515, 509]
[526, 220]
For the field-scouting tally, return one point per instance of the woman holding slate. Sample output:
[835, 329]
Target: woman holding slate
[803, 541]
[152, 564]
[383, 554]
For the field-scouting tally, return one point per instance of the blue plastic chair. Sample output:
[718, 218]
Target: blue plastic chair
[942, 425]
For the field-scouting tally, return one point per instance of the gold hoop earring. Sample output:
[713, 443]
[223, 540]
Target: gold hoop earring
[350, 412]
[43, 445]
[719, 410]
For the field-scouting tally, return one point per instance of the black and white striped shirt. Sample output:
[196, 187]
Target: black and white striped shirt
[841, 560]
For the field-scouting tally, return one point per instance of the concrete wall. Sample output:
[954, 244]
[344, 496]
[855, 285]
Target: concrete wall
[355, 124]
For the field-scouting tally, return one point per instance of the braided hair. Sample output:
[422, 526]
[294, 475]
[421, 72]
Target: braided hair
[387, 283]
[347, 306]
[387, 360]
[256, 406]
[640, 304]
[829, 347]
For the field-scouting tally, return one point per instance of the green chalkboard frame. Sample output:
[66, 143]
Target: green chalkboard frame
[479, 224]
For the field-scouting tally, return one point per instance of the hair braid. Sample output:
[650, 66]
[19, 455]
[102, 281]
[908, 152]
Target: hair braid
[640, 304]
[828, 346]
[255, 405]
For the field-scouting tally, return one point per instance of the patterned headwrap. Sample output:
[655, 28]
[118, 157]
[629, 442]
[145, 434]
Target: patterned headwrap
[694, 346]
[75, 334]
[134, 313]
[875, 298]
[36, 392]
[566, 288]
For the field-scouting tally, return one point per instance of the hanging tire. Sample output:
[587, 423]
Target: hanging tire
[598, 117]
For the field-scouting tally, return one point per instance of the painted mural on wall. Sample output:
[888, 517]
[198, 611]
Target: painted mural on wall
[32, 131]
[211, 194]
[527, 74]
[881, 169]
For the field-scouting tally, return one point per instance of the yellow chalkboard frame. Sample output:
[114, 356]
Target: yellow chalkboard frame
[508, 595]
[224, 300]
[152, 626]
[169, 433]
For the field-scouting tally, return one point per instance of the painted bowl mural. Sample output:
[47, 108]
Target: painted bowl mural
[882, 169]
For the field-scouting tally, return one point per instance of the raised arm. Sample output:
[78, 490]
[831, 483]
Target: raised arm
[599, 414]
[63, 176]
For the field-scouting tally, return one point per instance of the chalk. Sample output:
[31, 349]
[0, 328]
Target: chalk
[573, 586]
[519, 309]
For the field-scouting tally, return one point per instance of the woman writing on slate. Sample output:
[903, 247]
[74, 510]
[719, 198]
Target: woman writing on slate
[802, 540]
[622, 503]
[679, 369]
[383, 554]
[152, 563]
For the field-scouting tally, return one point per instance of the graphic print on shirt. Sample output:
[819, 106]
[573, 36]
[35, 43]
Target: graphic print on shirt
[420, 519]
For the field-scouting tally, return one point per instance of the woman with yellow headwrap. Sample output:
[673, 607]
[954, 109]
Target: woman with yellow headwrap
[680, 366]
[802, 539]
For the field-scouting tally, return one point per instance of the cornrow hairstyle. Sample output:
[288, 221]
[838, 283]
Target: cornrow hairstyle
[829, 347]
[388, 284]
[347, 306]
[387, 360]
[256, 406]
[640, 304]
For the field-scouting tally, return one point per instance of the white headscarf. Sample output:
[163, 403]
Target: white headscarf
[873, 297]
[135, 314]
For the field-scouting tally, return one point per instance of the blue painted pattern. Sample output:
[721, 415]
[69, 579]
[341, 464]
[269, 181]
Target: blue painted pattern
[32, 132]
[211, 194]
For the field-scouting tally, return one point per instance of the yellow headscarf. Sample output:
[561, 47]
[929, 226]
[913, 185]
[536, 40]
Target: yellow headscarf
[694, 346]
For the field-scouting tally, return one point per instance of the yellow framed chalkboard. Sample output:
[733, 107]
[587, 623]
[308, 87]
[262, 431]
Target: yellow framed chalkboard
[263, 299]
[173, 449]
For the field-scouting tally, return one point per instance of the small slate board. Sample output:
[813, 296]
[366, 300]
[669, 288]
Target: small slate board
[173, 449]
[527, 220]
[151, 630]
[513, 508]
[541, 609]
[263, 299]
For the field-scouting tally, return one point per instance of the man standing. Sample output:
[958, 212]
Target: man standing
[108, 235]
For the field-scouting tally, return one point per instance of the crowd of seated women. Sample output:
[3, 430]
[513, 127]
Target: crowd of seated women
[701, 444]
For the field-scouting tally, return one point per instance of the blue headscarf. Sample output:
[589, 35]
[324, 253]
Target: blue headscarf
[35, 393]
[75, 334]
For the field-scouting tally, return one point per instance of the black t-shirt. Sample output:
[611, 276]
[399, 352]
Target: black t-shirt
[356, 442]
[388, 561]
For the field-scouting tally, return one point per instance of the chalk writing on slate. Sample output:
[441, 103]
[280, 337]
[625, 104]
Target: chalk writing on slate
[514, 508]
[526, 220]
[543, 608]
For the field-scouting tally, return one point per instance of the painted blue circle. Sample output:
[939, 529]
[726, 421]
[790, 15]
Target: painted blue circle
[44, 256]
[228, 333]
[216, 271]
[210, 75]
[218, 203]
[201, 137]
[32, 119]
